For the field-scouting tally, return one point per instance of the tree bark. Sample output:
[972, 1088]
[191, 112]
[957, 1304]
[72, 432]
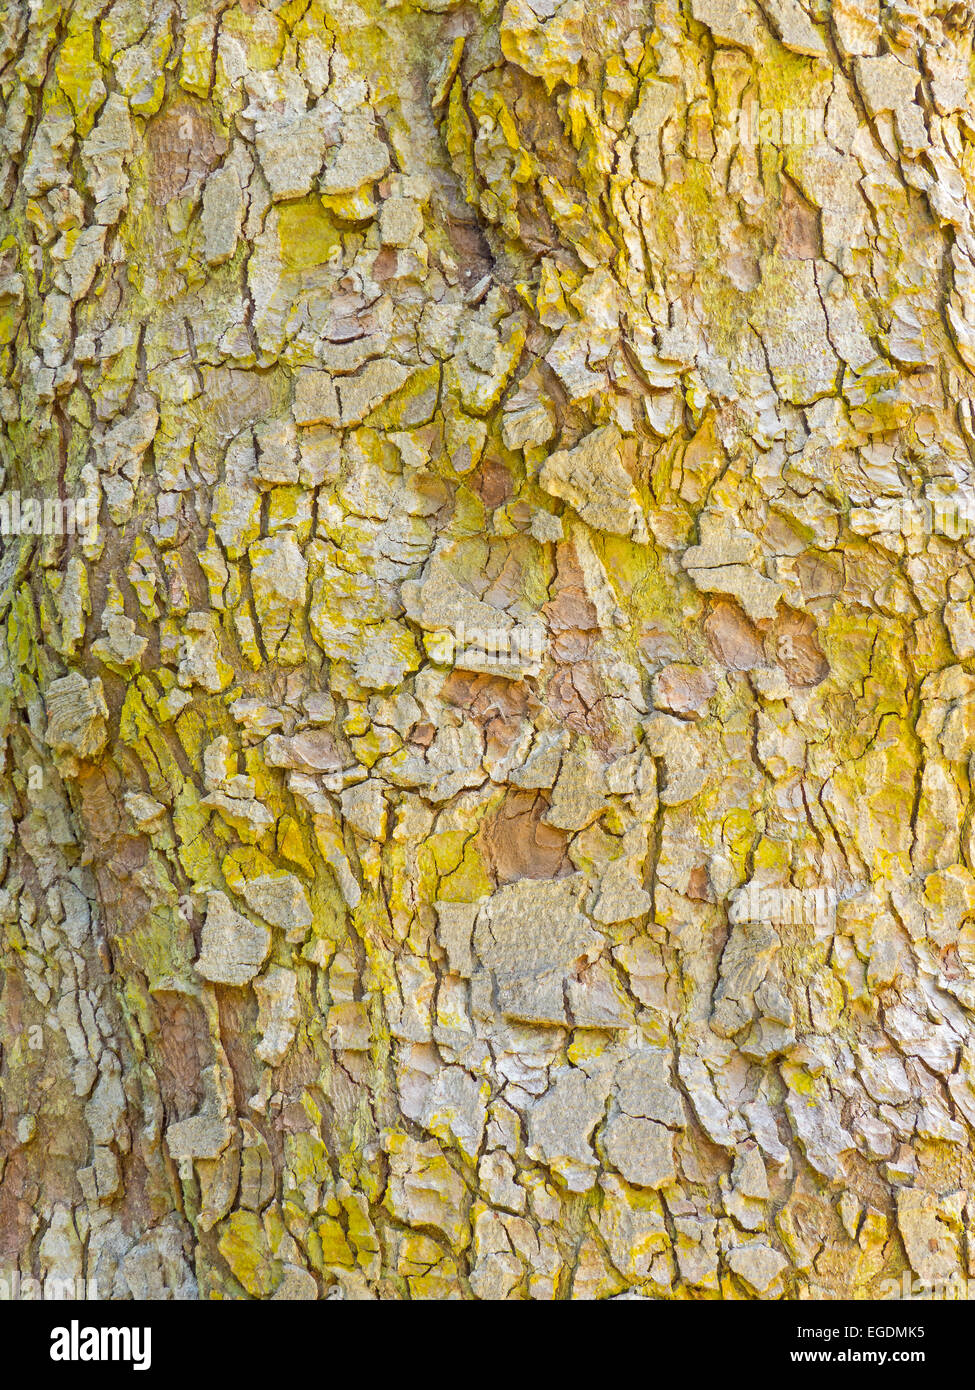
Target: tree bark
[487, 805]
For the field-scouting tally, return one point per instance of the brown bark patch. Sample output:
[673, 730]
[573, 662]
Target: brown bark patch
[798, 226]
[182, 1051]
[492, 483]
[683, 689]
[733, 639]
[496, 705]
[514, 842]
[183, 149]
[791, 643]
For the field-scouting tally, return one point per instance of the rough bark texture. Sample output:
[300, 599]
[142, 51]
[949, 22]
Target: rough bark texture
[489, 811]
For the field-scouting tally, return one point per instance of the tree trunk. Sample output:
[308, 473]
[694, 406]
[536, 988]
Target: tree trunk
[487, 804]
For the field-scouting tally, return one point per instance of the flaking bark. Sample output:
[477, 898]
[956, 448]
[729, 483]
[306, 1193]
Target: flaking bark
[487, 810]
